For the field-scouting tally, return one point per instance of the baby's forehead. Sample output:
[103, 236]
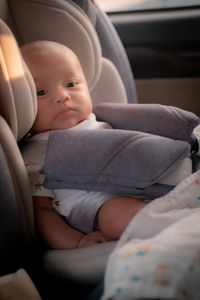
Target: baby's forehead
[52, 55]
[41, 48]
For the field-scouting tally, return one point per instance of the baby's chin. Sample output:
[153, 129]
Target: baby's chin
[65, 124]
[70, 123]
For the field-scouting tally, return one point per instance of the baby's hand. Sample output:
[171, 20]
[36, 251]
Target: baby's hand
[90, 239]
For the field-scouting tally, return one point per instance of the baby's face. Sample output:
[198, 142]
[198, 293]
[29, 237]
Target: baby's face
[62, 92]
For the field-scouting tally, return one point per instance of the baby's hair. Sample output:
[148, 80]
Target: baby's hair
[33, 48]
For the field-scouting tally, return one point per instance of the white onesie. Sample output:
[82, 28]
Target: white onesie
[77, 206]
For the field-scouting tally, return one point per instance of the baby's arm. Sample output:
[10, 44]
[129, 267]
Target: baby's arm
[55, 232]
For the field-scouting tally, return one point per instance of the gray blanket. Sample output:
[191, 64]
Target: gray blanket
[147, 143]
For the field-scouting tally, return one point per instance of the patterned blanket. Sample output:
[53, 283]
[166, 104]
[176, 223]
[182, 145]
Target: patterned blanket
[158, 255]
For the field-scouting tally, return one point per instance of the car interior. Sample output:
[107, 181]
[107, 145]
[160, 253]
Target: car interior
[127, 57]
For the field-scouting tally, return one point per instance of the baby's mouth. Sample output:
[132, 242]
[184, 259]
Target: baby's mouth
[64, 112]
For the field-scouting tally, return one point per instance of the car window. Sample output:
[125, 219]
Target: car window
[129, 5]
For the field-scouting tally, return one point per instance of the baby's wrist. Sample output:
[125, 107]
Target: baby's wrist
[79, 240]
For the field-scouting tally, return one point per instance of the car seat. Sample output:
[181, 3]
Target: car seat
[62, 21]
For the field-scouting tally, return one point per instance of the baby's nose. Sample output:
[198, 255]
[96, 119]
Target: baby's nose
[62, 96]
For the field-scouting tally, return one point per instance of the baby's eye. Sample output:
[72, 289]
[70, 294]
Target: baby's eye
[42, 92]
[71, 84]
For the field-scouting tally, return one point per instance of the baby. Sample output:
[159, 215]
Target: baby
[67, 219]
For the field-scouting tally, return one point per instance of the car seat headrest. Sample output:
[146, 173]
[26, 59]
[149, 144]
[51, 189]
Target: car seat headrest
[64, 22]
[18, 101]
